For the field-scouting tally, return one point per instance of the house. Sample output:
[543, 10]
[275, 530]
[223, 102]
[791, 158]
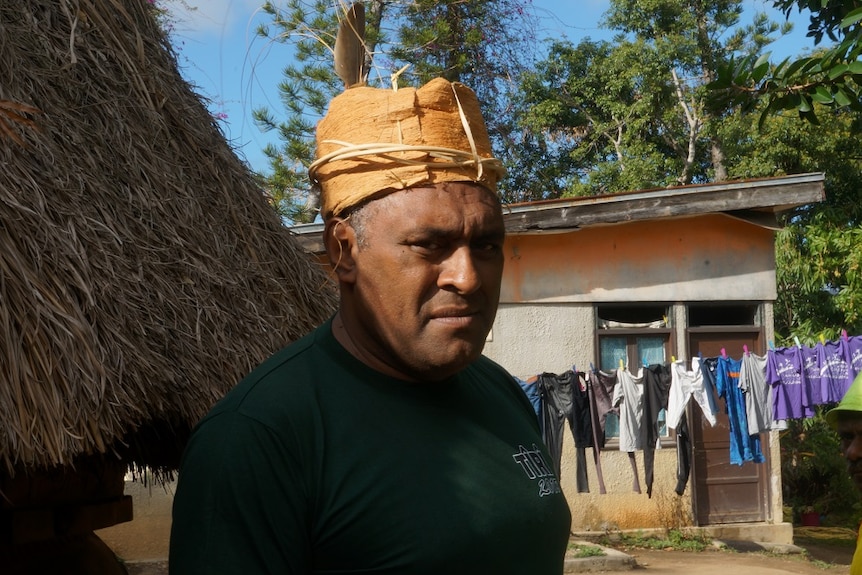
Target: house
[666, 273]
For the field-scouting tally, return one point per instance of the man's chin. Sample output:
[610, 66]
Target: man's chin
[445, 367]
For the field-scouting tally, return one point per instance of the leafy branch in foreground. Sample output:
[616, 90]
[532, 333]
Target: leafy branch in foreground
[829, 76]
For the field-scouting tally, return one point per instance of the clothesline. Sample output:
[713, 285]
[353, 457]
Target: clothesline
[759, 392]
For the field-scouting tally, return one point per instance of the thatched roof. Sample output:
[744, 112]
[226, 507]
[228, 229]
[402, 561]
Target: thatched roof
[142, 272]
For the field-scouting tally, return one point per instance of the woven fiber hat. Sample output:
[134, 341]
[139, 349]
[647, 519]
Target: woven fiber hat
[374, 141]
[850, 404]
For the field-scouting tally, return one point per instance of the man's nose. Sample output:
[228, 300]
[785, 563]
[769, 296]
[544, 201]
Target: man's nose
[854, 448]
[458, 272]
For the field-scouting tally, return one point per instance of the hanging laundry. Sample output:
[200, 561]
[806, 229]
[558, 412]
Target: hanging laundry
[683, 455]
[628, 396]
[657, 379]
[603, 383]
[743, 446]
[636, 486]
[686, 385]
[595, 388]
[786, 370]
[813, 389]
[834, 369]
[854, 356]
[584, 430]
[755, 390]
[564, 399]
[531, 389]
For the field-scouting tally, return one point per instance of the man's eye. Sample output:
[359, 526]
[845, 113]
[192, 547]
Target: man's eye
[426, 245]
[488, 247]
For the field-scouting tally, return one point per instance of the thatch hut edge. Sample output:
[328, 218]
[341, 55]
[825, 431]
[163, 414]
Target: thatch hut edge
[142, 271]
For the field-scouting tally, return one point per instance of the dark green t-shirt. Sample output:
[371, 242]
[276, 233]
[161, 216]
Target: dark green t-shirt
[316, 463]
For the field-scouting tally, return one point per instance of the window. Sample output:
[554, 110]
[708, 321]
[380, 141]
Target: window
[635, 335]
[723, 313]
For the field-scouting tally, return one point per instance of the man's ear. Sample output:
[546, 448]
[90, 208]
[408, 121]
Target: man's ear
[339, 240]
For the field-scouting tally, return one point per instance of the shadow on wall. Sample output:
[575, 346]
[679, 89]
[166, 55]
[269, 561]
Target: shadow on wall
[146, 537]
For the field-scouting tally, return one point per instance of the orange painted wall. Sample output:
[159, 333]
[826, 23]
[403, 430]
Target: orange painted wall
[711, 257]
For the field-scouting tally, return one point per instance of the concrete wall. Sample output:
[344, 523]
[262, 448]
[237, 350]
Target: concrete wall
[530, 339]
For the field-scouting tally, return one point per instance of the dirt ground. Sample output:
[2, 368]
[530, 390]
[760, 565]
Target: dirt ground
[711, 562]
[825, 551]
[721, 562]
[822, 551]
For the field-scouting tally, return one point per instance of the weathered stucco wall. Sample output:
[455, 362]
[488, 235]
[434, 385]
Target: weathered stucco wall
[704, 258]
[530, 339]
[621, 507]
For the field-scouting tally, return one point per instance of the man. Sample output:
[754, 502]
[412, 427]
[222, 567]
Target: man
[846, 419]
[383, 442]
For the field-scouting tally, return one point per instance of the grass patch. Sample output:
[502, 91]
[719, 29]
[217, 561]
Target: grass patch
[675, 539]
[834, 536]
[580, 551]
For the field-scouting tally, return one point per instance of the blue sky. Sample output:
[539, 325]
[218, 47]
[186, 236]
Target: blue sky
[238, 71]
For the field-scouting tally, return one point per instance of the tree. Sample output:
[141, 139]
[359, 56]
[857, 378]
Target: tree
[482, 43]
[597, 120]
[633, 113]
[830, 76]
[818, 253]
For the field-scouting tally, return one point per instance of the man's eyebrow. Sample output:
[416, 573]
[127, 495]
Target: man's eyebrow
[491, 234]
[431, 231]
[448, 232]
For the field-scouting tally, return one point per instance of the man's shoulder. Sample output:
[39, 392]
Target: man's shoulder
[284, 379]
[488, 373]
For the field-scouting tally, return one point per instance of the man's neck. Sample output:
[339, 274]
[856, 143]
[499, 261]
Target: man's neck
[341, 332]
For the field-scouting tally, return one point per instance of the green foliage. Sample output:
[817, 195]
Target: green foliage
[308, 85]
[479, 42]
[674, 539]
[633, 114]
[580, 551]
[830, 76]
[818, 251]
[814, 474]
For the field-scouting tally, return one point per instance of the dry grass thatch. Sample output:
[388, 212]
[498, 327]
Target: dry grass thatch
[142, 272]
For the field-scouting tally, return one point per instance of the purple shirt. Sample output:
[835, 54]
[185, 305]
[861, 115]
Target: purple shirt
[854, 354]
[834, 369]
[811, 378]
[789, 394]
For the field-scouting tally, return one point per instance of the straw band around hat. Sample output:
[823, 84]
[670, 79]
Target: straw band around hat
[374, 141]
[851, 403]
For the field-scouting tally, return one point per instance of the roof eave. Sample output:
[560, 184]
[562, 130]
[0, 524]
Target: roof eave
[756, 201]
[773, 195]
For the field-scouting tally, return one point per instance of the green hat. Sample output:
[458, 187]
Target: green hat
[851, 403]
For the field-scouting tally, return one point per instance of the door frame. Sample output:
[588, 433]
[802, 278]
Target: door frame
[708, 341]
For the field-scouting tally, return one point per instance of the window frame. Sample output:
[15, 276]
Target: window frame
[632, 335]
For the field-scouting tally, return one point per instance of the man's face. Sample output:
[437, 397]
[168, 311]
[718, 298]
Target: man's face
[850, 432]
[426, 280]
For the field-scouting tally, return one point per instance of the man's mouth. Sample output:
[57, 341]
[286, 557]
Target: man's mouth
[455, 316]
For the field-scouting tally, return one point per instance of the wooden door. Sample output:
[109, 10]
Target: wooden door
[723, 492]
